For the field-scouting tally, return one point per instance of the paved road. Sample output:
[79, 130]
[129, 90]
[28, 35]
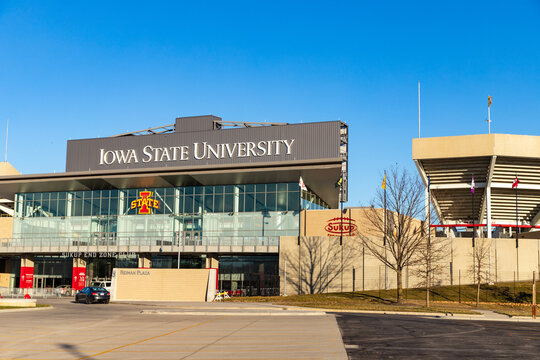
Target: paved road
[414, 337]
[118, 331]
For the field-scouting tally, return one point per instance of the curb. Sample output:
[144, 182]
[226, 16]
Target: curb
[26, 309]
[227, 313]
[452, 316]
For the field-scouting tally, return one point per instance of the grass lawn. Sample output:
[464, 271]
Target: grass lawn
[448, 299]
[24, 307]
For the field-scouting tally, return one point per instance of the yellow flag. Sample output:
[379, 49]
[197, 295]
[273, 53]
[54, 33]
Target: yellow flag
[384, 182]
[489, 101]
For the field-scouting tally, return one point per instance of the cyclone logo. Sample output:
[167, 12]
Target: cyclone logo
[336, 227]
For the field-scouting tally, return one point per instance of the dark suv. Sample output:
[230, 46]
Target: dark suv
[93, 294]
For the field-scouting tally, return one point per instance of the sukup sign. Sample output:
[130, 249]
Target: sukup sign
[145, 204]
[340, 226]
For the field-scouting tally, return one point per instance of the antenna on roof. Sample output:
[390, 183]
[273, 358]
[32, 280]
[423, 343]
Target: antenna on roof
[418, 109]
[7, 128]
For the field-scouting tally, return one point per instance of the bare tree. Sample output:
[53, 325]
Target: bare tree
[430, 254]
[394, 236]
[480, 255]
[318, 262]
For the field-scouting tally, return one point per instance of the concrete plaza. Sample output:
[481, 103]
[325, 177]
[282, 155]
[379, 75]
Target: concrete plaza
[121, 331]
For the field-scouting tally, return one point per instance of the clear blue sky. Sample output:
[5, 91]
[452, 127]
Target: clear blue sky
[87, 69]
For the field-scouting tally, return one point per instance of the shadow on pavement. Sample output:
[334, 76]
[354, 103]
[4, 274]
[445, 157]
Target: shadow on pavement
[72, 349]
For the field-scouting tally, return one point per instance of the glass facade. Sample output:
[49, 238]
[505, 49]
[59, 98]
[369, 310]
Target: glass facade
[249, 275]
[200, 214]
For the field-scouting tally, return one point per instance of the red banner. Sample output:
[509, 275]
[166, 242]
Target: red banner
[27, 277]
[79, 278]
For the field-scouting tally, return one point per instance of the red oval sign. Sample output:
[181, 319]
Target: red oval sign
[338, 226]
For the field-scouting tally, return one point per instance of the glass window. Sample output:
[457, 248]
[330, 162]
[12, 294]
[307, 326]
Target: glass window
[61, 207]
[241, 202]
[104, 206]
[281, 201]
[199, 190]
[113, 209]
[87, 204]
[228, 206]
[188, 205]
[250, 188]
[260, 204]
[168, 204]
[209, 203]
[293, 201]
[271, 201]
[249, 205]
[260, 188]
[188, 190]
[77, 204]
[271, 187]
[218, 202]
[228, 189]
[198, 204]
[208, 190]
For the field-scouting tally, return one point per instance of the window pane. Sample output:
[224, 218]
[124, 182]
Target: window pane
[260, 205]
[218, 203]
[113, 207]
[77, 205]
[104, 207]
[188, 206]
[260, 188]
[250, 203]
[209, 203]
[229, 203]
[87, 205]
[271, 201]
[241, 202]
[281, 201]
[293, 201]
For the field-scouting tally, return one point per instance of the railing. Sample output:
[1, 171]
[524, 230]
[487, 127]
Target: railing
[125, 243]
[19, 293]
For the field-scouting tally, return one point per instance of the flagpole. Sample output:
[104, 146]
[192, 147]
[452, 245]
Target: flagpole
[385, 230]
[341, 210]
[300, 216]
[473, 232]
[517, 219]
[489, 117]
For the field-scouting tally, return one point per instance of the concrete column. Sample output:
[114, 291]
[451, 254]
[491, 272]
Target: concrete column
[212, 262]
[426, 204]
[145, 261]
[27, 271]
[78, 279]
[488, 210]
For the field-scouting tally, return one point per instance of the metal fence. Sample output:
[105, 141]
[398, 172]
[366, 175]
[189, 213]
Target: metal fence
[20, 293]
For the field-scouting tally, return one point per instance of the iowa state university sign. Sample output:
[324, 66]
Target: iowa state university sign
[197, 151]
[262, 144]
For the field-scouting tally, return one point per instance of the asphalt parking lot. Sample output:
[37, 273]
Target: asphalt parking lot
[368, 336]
[119, 331]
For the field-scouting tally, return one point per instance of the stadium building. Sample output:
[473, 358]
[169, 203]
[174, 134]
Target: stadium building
[203, 192]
